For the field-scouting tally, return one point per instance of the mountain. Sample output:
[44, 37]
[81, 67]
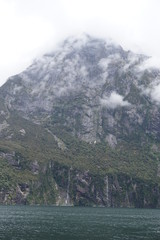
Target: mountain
[80, 126]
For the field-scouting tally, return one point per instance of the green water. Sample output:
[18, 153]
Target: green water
[57, 223]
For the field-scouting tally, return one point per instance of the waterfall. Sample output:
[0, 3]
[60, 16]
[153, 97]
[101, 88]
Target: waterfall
[68, 186]
[107, 190]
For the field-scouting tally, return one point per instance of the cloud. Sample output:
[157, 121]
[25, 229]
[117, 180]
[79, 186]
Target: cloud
[113, 101]
[155, 94]
[153, 91]
[104, 62]
[149, 63]
[30, 28]
[23, 37]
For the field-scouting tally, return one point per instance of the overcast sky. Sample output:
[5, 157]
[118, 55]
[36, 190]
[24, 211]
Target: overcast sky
[29, 28]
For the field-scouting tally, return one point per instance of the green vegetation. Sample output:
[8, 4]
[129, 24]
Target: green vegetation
[131, 158]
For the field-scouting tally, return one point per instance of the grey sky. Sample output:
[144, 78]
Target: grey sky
[32, 27]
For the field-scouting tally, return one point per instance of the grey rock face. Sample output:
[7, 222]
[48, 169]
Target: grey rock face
[90, 86]
[109, 191]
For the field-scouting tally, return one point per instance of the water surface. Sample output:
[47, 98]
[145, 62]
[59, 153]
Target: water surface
[68, 223]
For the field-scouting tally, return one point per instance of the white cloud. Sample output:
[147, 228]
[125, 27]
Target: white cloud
[22, 39]
[29, 28]
[104, 62]
[151, 62]
[155, 94]
[153, 91]
[113, 101]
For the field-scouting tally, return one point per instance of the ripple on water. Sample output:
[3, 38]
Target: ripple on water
[58, 223]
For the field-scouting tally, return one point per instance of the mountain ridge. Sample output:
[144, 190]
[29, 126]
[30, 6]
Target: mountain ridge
[78, 116]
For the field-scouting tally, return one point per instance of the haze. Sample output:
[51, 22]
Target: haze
[30, 28]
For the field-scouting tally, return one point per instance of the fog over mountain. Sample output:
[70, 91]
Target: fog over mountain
[31, 28]
[81, 126]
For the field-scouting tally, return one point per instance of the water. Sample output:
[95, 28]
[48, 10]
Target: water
[59, 223]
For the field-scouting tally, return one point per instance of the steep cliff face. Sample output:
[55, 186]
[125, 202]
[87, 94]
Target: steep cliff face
[90, 86]
[65, 186]
[82, 125]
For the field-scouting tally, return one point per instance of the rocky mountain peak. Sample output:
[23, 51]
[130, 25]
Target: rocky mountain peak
[81, 126]
[91, 86]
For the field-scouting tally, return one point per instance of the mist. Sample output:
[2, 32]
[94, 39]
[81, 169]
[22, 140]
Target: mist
[33, 27]
[113, 101]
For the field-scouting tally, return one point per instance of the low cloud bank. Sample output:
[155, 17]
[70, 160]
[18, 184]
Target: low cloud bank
[153, 91]
[114, 100]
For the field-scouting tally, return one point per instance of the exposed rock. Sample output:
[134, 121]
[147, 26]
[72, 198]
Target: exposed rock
[60, 143]
[35, 167]
[22, 132]
[158, 170]
[3, 126]
[111, 139]
[81, 126]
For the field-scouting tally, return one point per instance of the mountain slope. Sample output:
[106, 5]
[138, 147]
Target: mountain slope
[82, 125]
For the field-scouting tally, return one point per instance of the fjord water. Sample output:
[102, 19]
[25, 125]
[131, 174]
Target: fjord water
[68, 223]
